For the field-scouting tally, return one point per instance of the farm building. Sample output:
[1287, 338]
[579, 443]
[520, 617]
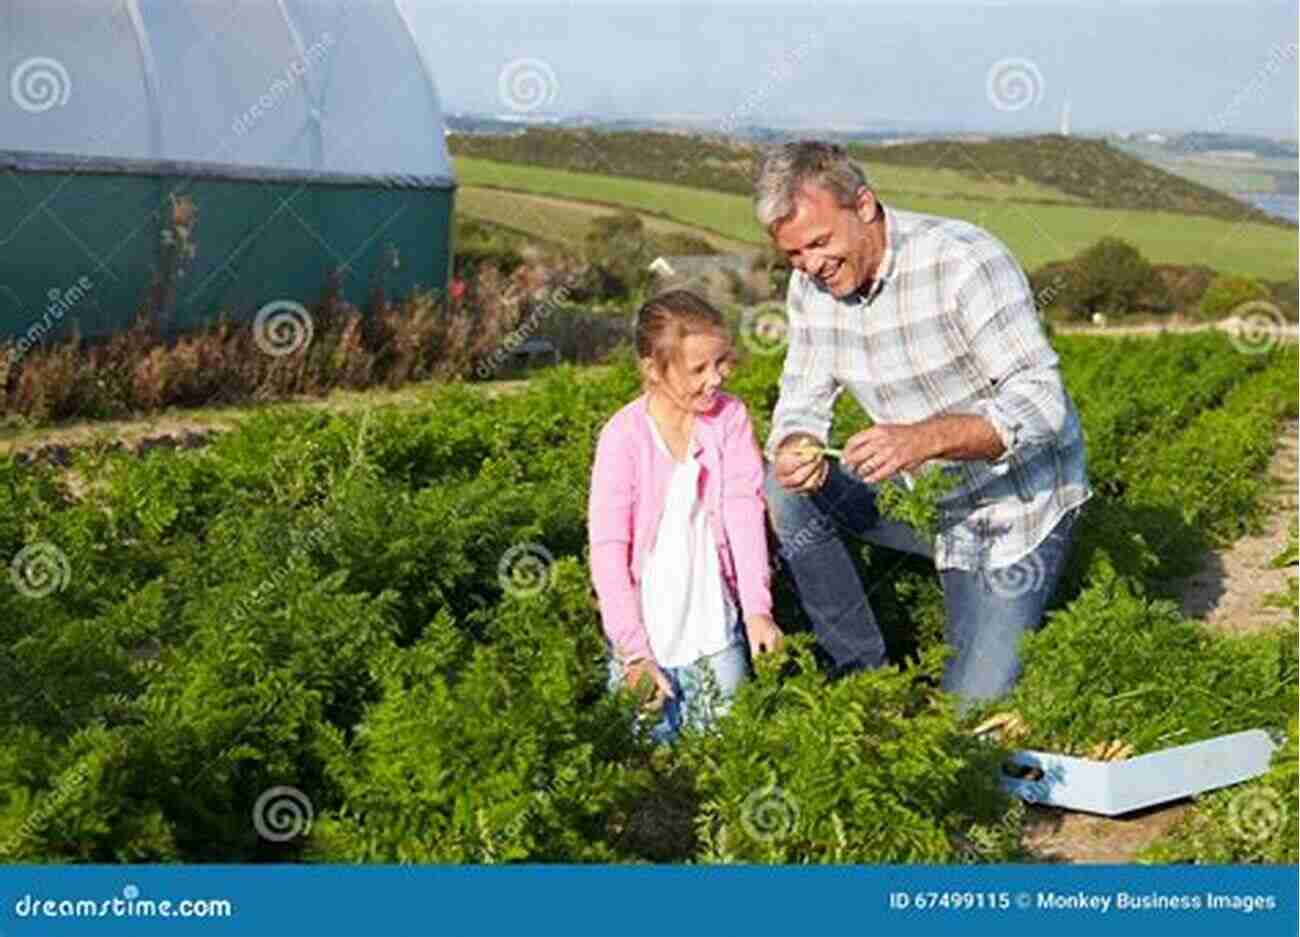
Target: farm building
[213, 156]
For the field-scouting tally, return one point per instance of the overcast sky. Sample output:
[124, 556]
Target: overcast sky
[1001, 67]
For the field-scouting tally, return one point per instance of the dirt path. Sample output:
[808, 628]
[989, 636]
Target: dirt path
[1229, 589]
[1288, 332]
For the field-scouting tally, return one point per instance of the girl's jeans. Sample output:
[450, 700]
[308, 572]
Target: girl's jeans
[987, 610]
[702, 690]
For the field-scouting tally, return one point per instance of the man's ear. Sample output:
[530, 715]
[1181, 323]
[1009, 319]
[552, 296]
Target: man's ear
[866, 204]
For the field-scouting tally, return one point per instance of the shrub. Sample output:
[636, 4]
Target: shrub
[1227, 293]
[1111, 277]
[1185, 285]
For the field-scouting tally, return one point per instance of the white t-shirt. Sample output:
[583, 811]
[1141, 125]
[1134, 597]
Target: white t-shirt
[684, 602]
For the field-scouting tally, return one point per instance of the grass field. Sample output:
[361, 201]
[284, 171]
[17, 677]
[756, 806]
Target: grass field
[954, 182]
[1036, 232]
[565, 221]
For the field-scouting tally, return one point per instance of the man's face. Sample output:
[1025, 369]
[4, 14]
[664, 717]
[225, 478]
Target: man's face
[827, 241]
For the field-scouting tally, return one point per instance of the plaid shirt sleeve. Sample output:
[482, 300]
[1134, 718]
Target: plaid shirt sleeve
[996, 311]
[808, 386]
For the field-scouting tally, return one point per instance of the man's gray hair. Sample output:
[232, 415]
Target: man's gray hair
[784, 170]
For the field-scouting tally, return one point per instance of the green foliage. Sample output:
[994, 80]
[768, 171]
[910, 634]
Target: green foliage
[479, 243]
[1289, 554]
[1227, 293]
[505, 750]
[316, 600]
[918, 505]
[1111, 277]
[1116, 664]
[869, 768]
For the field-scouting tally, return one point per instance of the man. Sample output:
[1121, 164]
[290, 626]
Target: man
[930, 324]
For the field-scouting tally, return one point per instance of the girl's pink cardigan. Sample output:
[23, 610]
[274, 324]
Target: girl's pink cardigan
[629, 483]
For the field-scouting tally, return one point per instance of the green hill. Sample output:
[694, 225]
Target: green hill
[1092, 170]
[1041, 169]
[1036, 231]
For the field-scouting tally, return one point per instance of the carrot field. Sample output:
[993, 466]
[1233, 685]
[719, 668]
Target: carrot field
[380, 623]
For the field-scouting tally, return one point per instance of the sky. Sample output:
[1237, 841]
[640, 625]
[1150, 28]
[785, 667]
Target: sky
[979, 67]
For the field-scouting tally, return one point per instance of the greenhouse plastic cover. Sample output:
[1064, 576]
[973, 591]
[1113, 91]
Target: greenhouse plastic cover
[341, 88]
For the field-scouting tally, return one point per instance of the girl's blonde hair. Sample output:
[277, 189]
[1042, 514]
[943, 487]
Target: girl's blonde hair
[664, 322]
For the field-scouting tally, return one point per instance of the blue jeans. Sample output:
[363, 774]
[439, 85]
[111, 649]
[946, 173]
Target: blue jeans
[988, 610]
[694, 702]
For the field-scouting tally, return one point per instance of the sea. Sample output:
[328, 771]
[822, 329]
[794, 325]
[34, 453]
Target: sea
[1283, 206]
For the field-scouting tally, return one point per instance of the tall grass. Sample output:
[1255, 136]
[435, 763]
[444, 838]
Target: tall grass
[390, 343]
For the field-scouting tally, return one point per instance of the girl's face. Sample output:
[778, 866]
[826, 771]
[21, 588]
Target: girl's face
[694, 377]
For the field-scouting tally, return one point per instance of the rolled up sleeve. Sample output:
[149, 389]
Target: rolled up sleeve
[808, 387]
[995, 309]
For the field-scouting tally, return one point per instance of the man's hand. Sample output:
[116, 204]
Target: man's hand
[800, 466]
[886, 449]
[763, 634]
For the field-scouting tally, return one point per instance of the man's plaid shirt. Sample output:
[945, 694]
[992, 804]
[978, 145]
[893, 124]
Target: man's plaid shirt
[948, 326]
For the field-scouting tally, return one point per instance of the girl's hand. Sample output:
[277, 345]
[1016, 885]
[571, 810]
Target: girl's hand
[644, 678]
[764, 636]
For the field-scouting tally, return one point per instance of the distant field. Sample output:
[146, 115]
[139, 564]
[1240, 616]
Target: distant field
[721, 212]
[1225, 173]
[564, 220]
[899, 180]
[1036, 232]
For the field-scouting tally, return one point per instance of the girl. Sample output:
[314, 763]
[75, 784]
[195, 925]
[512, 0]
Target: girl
[675, 520]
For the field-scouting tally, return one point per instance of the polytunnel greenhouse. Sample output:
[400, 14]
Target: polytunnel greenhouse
[212, 156]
